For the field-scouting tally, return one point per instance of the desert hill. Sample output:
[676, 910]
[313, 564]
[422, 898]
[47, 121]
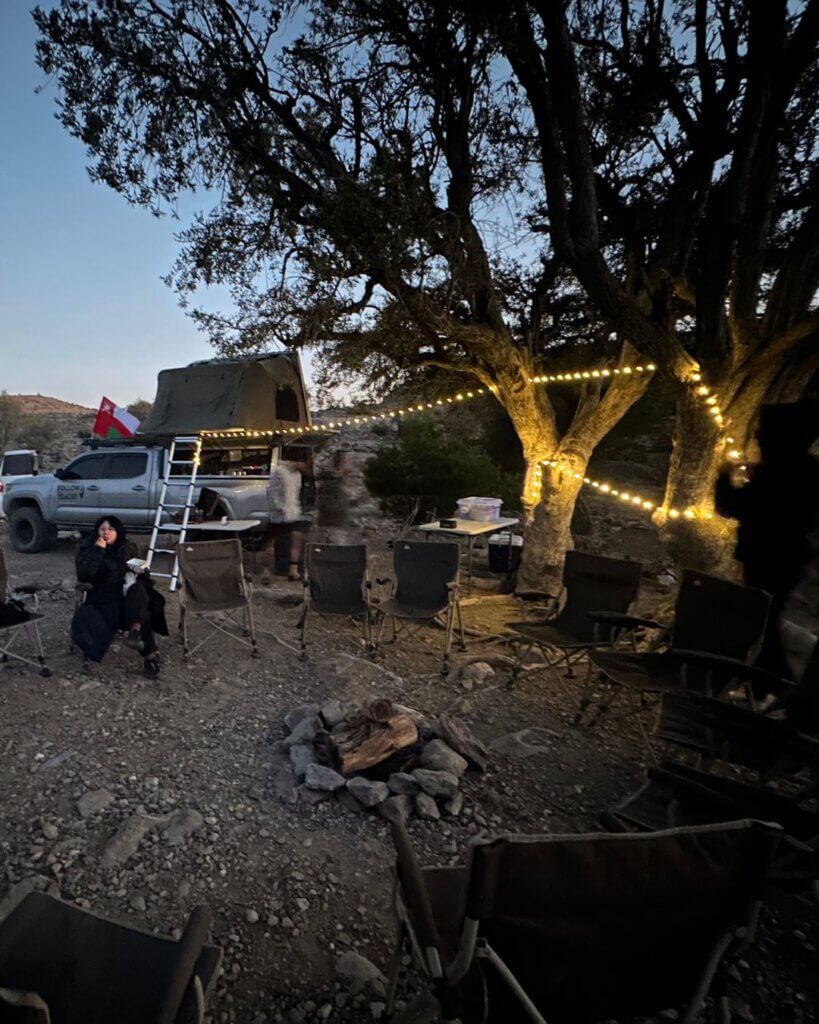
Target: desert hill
[40, 405]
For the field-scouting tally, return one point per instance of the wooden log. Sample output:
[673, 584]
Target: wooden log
[462, 740]
[365, 743]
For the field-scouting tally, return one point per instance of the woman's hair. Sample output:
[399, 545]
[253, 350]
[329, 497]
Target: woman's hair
[118, 525]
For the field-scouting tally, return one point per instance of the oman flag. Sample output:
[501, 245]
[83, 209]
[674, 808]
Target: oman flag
[112, 421]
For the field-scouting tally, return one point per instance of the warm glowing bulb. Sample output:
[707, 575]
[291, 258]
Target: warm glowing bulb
[703, 390]
[648, 505]
[673, 513]
[605, 488]
[689, 513]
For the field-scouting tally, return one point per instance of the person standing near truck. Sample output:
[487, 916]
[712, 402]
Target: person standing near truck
[284, 503]
[118, 599]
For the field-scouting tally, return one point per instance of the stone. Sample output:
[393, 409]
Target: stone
[138, 903]
[311, 797]
[436, 783]
[305, 731]
[349, 802]
[397, 808]
[183, 890]
[125, 841]
[426, 808]
[334, 712]
[50, 831]
[403, 782]
[358, 973]
[251, 915]
[318, 776]
[297, 715]
[367, 792]
[439, 756]
[183, 823]
[301, 757]
[521, 745]
[455, 805]
[284, 784]
[94, 801]
[477, 672]
[58, 759]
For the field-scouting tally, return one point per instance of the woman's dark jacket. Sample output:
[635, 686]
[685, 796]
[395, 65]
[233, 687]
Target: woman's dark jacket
[98, 619]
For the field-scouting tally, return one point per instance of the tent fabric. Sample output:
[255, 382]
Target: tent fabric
[263, 392]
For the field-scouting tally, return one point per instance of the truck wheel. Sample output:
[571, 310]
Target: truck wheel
[29, 532]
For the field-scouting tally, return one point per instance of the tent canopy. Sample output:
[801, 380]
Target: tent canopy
[264, 392]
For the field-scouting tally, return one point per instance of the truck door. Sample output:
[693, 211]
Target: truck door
[78, 492]
[127, 489]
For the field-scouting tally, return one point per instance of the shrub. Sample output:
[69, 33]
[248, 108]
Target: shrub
[37, 432]
[429, 463]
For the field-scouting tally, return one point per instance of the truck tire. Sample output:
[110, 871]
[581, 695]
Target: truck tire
[29, 532]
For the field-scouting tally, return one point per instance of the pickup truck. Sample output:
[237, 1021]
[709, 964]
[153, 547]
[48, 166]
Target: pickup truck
[14, 464]
[126, 481]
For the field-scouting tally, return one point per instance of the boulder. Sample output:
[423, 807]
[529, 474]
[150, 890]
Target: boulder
[368, 792]
[426, 808]
[305, 730]
[439, 756]
[436, 783]
[301, 757]
[318, 776]
[292, 718]
[402, 782]
[397, 808]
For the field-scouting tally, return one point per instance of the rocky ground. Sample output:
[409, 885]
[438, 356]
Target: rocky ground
[142, 800]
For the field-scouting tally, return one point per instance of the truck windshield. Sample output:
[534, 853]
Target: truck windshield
[18, 465]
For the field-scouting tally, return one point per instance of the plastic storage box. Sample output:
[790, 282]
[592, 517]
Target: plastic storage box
[479, 510]
[502, 556]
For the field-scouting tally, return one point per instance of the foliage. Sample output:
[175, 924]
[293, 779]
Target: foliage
[9, 419]
[141, 408]
[37, 432]
[432, 463]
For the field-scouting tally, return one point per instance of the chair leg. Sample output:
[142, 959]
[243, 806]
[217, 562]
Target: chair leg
[183, 626]
[254, 652]
[450, 621]
[302, 628]
[460, 623]
[585, 696]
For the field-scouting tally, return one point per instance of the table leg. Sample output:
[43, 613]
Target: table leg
[470, 541]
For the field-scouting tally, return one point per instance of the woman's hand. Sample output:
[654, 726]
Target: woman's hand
[101, 543]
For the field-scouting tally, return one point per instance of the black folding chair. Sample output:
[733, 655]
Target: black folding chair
[599, 594]
[425, 586]
[717, 630]
[68, 966]
[336, 582]
[580, 928]
[28, 627]
[214, 587]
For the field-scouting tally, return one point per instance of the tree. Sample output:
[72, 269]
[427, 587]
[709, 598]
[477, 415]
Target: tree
[377, 190]
[9, 419]
[141, 408]
[678, 149]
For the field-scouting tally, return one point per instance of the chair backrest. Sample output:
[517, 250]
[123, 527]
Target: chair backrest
[608, 926]
[93, 971]
[595, 584]
[423, 572]
[212, 575]
[719, 616]
[335, 575]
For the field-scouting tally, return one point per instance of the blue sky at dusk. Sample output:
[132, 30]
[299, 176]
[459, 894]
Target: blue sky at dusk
[82, 308]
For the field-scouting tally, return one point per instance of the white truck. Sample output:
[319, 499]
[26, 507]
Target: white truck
[17, 463]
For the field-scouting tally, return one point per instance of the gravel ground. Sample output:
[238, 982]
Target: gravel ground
[190, 763]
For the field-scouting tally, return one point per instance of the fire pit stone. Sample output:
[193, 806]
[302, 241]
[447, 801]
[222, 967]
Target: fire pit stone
[368, 792]
[439, 756]
[436, 783]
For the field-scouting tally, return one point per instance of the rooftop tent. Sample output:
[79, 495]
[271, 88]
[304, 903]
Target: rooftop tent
[264, 392]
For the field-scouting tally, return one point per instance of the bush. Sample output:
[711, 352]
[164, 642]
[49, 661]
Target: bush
[37, 432]
[9, 420]
[429, 463]
[141, 408]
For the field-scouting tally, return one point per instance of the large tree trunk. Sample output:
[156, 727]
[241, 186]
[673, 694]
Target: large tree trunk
[698, 538]
[547, 530]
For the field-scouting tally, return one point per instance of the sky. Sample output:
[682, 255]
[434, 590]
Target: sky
[83, 311]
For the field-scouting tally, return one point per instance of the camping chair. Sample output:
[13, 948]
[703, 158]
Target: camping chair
[336, 582]
[599, 594]
[29, 627]
[78, 968]
[572, 929]
[425, 586]
[212, 581]
[717, 629]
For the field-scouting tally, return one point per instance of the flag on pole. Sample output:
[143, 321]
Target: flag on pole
[114, 422]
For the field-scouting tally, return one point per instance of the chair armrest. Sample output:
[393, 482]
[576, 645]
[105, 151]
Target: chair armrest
[624, 620]
[411, 880]
[720, 661]
[28, 589]
[84, 588]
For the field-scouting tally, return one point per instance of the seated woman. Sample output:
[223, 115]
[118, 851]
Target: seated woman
[118, 598]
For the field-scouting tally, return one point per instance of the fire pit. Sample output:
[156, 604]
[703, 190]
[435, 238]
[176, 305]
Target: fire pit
[378, 756]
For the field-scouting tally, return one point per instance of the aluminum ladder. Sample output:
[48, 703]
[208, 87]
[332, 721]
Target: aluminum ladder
[191, 449]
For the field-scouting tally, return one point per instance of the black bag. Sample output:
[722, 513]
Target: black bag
[13, 612]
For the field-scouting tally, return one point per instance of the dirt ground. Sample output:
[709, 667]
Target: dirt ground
[292, 887]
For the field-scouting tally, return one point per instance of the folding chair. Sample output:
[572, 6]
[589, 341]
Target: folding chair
[717, 629]
[29, 628]
[599, 594]
[336, 582]
[425, 586]
[79, 968]
[580, 928]
[213, 580]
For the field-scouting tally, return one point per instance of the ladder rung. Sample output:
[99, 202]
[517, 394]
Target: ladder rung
[169, 505]
[164, 551]
[181, 462]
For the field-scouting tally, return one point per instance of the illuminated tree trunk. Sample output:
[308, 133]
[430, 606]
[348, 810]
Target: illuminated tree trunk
[549, 503]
